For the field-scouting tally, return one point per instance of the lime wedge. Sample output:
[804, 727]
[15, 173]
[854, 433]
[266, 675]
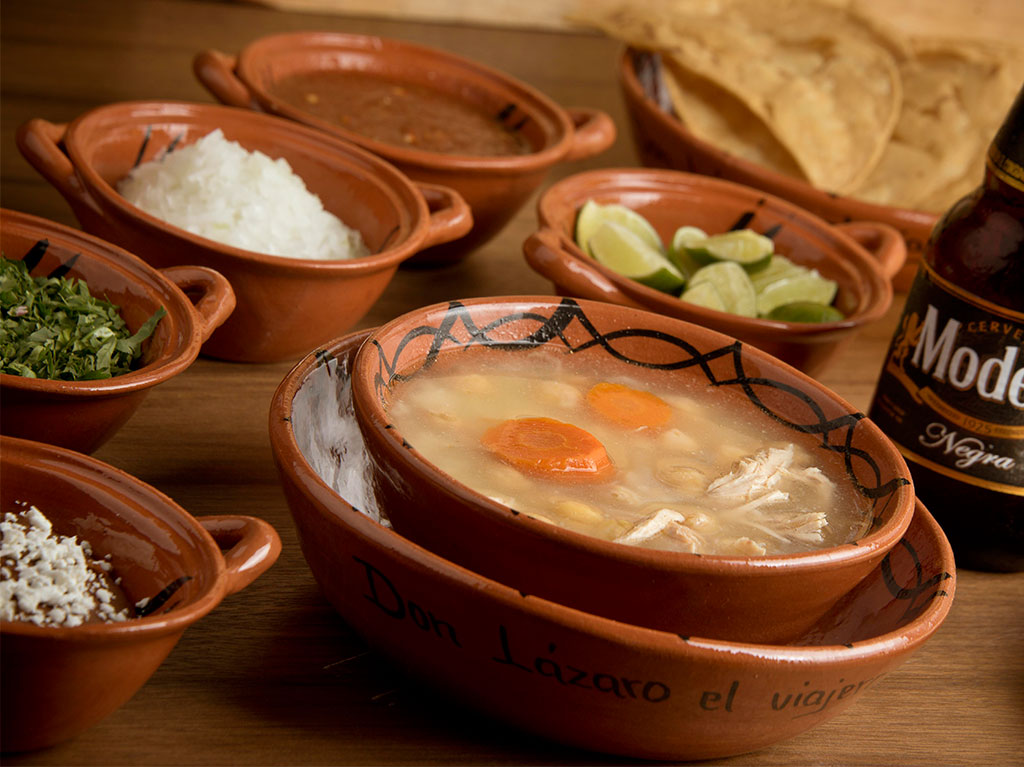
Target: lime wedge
[805, 311]
[733, 285]
[777, 268]
[688, 237]
[593, 216]
[626, 253]
[704, 294]
[745, 247]
[809, 286]
[684, 238]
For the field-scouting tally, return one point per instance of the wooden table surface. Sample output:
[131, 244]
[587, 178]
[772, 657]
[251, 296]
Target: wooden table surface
[274, 675]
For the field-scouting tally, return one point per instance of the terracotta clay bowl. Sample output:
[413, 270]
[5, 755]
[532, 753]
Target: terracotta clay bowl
[568, 675]
[750, 598]
[861, 257]
[494, 186]
[662, 141]
[286, 306]
[82, 415]
[58, 681]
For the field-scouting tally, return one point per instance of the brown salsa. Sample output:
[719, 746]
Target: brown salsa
[400, 113]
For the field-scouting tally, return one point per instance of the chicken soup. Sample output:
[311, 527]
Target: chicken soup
[622, 459]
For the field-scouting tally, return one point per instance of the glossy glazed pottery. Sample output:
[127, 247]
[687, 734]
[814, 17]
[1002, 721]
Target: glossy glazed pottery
[768, 598]
[570, 676]
[58, 681]
[82, 415]
[861, 257]
[286, 306]
[663, 142]
[495, 187]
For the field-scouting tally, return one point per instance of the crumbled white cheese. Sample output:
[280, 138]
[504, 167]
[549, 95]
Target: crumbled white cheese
[47, 579]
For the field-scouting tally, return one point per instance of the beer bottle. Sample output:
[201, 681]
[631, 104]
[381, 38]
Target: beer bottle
[951, 391]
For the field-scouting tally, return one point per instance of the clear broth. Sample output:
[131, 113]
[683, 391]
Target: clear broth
[712, 480]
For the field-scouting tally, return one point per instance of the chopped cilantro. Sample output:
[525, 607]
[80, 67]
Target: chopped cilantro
[52, 327]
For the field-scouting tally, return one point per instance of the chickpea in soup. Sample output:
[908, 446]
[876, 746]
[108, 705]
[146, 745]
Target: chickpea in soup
[625, 461]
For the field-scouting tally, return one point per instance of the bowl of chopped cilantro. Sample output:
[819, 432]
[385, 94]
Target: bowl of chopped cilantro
[87, 329]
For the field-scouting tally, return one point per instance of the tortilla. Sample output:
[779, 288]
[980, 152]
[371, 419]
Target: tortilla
[827, 94]
[955, 96]
[713, 115]
[823, 83]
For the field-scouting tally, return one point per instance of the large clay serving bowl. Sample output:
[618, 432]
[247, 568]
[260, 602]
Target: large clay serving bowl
[494, 186]
[59, 680]
[571, 676]
[860, 256]
[748, 598]
[662, 141]
[82, 415]
[286, 305]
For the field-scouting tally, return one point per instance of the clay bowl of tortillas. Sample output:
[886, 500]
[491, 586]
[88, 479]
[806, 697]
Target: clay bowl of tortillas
[831, 108]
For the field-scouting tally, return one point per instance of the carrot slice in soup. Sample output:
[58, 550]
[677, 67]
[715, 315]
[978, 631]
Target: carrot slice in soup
[549, 448]
[629, 408]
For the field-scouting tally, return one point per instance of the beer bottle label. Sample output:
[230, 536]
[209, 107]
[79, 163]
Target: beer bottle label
[951, 392]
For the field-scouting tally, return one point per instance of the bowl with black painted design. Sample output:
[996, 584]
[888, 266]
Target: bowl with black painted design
[421, 108]
[568, 675]
[860, 257]
[60, 677]
[83, 413]
[645, 477]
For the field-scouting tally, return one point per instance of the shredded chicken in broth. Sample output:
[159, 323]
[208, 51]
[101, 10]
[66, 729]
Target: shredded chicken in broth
[616, 459]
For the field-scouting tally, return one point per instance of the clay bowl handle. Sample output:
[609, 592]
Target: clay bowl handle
[216, 71]
[450, 215]
[571, 276]
[209, 291]
[882, 241]
[40, 143]
[249, 545]
[594, 132]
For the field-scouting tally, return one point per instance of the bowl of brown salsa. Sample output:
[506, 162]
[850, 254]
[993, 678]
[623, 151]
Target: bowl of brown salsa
[439, 117]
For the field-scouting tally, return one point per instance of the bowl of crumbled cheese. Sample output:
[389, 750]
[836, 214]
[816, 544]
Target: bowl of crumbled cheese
[100, 574]
[308, 228]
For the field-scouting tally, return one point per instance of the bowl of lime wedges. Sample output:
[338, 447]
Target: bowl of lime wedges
[719, 254]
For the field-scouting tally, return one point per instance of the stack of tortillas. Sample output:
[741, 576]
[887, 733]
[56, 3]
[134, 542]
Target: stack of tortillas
[819, 91]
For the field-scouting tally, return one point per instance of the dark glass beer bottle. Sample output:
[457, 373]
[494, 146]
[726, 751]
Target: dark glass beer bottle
[951, 392]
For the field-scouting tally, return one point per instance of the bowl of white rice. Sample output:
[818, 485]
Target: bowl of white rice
[308, 228]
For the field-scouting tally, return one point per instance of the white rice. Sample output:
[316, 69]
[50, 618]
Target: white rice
[217, 189]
